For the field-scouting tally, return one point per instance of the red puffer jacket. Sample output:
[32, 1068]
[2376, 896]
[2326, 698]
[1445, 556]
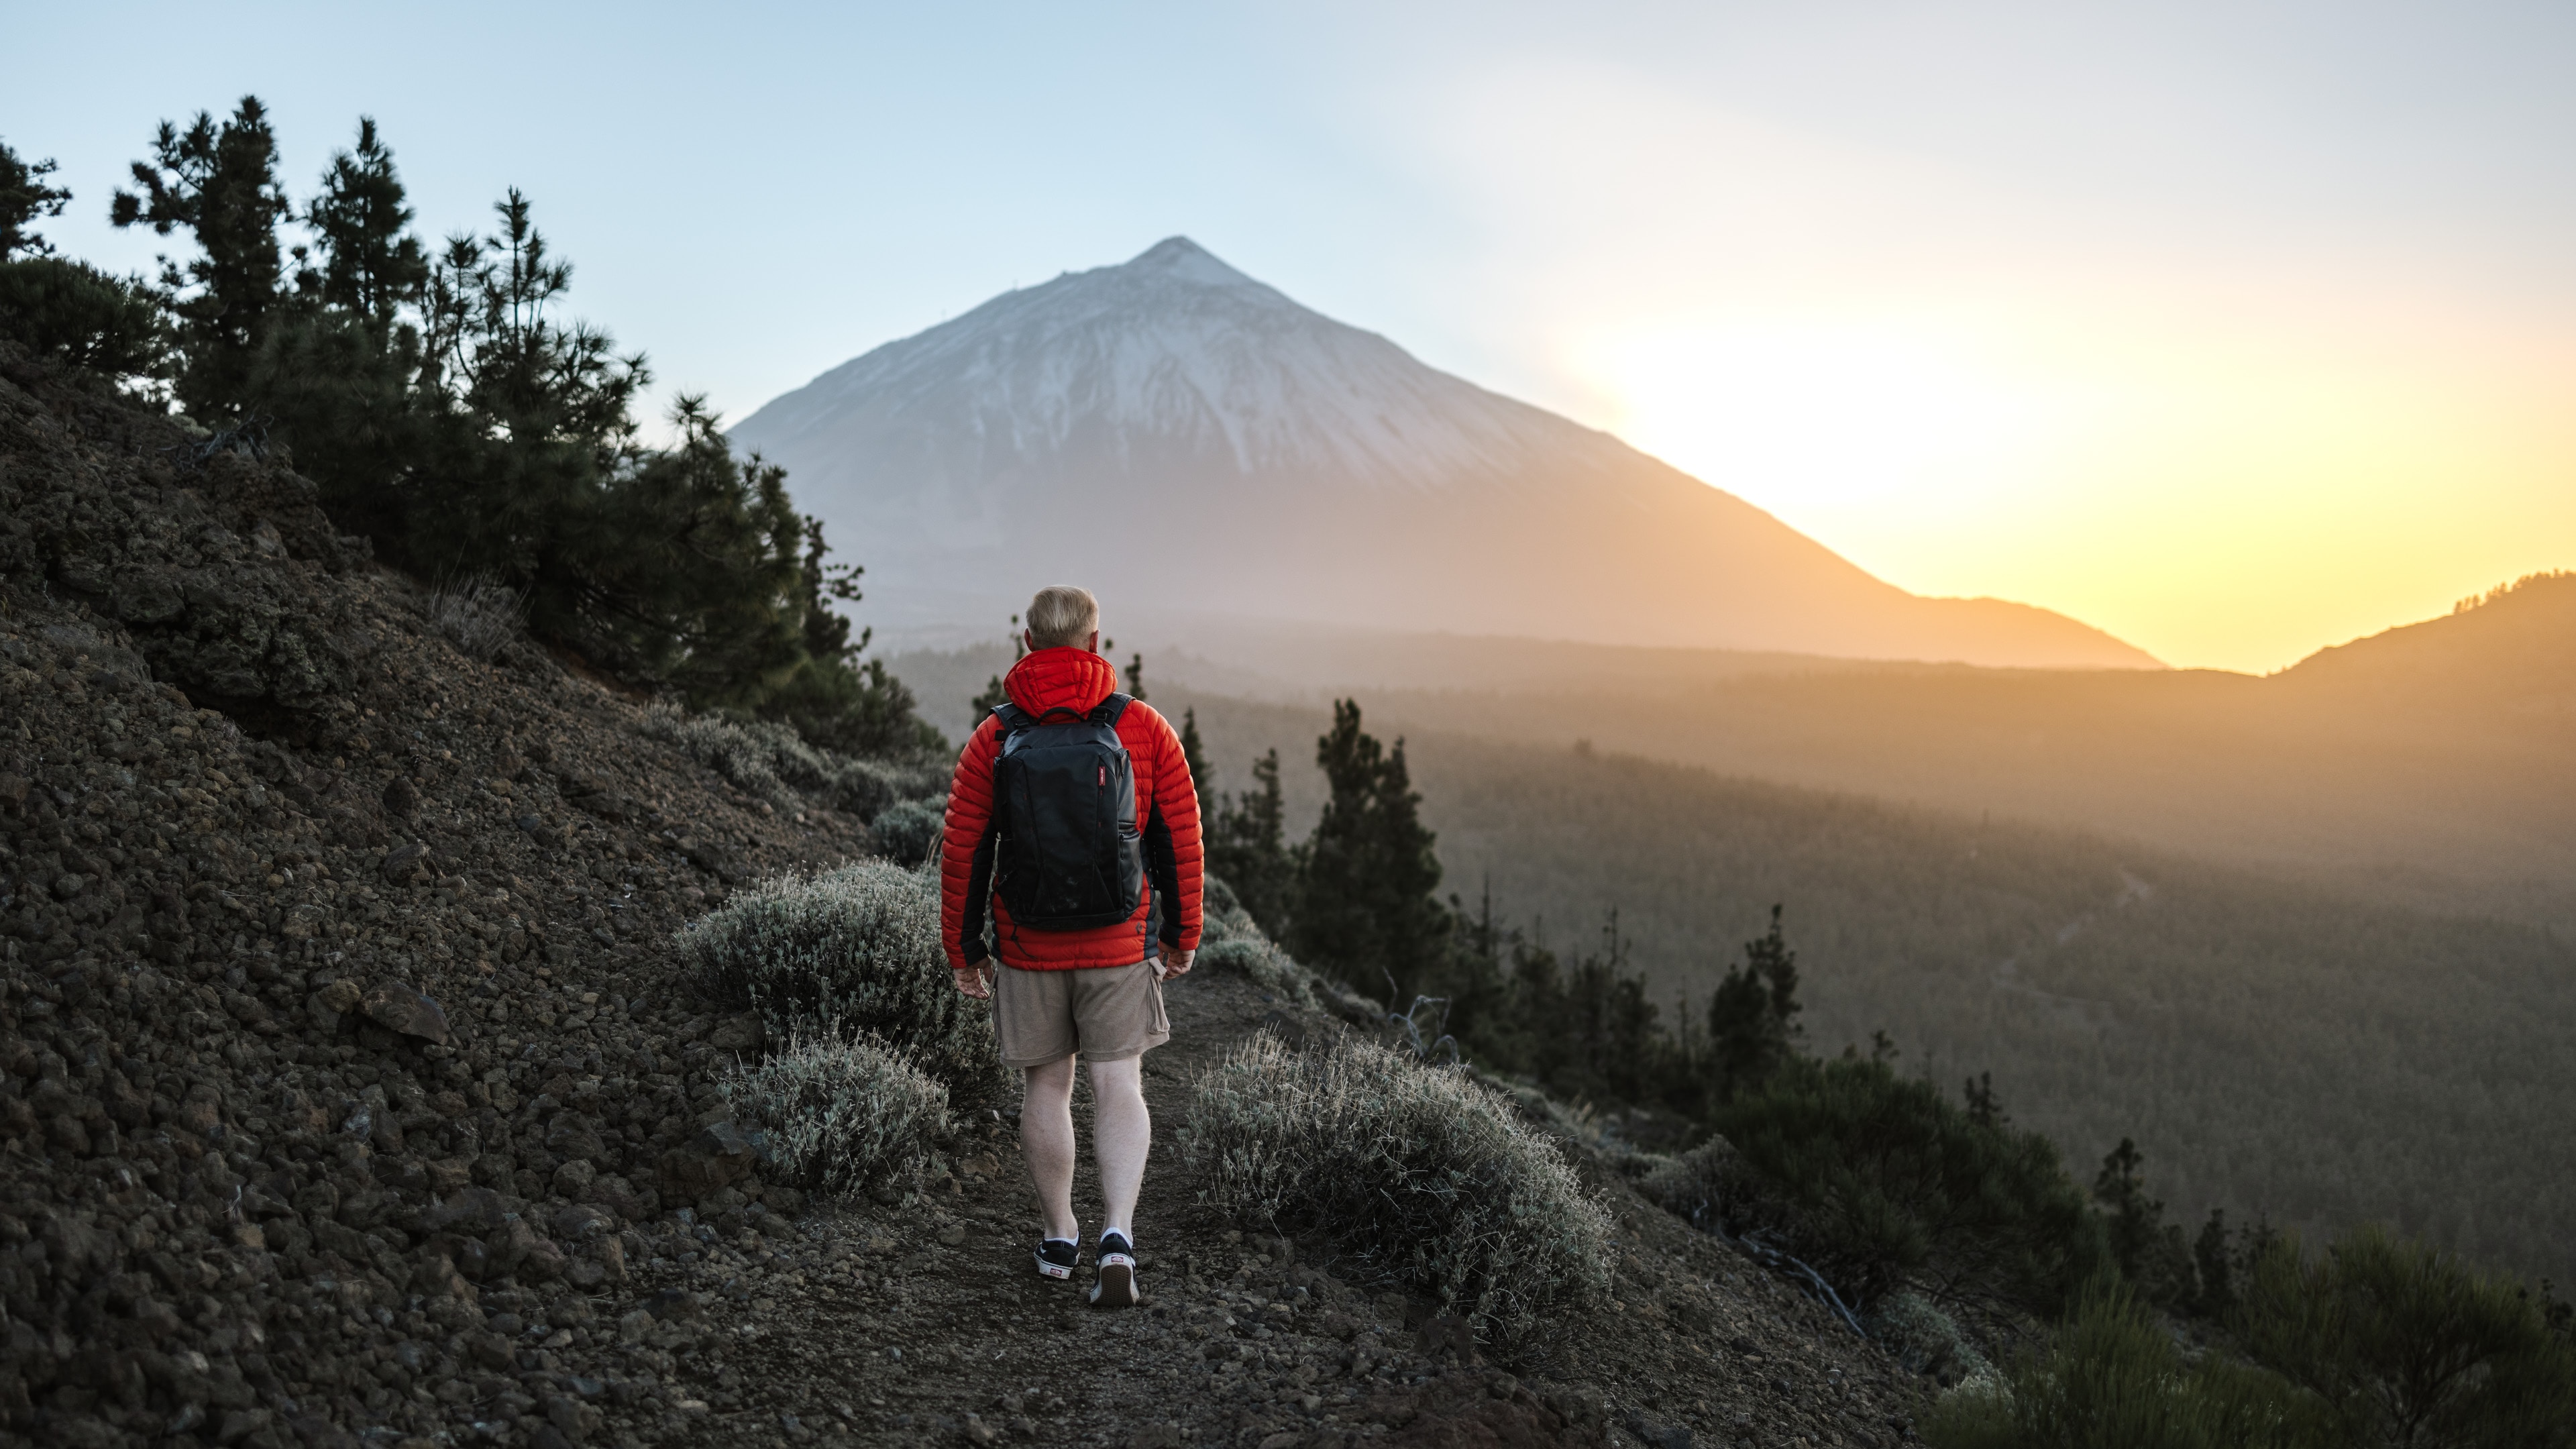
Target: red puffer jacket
[1167, 806]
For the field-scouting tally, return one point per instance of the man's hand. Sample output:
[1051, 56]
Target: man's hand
[975, 981]
[1177, 963]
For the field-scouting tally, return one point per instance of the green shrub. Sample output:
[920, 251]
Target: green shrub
[843, 1115]
[907, 831]
[775, 763]
[76, 314]
[1427, 1174]
[2409, 1345]
[849, 954]
[1883, 1182]
[2112, 1378]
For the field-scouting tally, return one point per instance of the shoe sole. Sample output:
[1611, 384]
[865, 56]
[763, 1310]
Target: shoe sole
[1116, 1285]
[1057, 1271]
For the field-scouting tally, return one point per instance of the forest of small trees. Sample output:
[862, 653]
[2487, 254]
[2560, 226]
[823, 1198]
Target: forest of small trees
[1884, 1184]
[451, 415]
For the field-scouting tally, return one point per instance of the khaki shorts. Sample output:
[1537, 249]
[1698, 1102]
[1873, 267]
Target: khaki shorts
[1108, 1013]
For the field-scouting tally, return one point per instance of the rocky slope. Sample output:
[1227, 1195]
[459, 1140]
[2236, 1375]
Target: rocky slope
[349, 1091]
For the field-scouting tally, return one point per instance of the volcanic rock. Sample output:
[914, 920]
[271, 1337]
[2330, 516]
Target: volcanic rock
[397, 1007]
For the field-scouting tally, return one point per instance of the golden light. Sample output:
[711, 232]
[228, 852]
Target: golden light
[1827, 423]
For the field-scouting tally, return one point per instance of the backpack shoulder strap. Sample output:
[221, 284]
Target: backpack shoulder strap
[1012, 718]
[1108, 710]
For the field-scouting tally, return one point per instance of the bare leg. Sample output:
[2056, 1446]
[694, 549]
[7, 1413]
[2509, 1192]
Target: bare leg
[1121, 1134]
[1046, 1139]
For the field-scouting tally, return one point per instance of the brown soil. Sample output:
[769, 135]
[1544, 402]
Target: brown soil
[349, 1092]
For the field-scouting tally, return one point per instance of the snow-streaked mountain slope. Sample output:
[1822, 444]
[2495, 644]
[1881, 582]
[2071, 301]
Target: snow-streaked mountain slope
[1186, 440]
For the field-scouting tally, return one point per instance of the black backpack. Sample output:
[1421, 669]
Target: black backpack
[1070, 855]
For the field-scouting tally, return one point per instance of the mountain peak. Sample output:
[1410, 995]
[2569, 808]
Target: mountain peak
[1184, 260]
[1286, 465]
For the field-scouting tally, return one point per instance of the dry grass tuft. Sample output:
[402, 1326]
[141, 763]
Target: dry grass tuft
[1418, 1168]
[844, 1115]
[477, 615]
[846, 954]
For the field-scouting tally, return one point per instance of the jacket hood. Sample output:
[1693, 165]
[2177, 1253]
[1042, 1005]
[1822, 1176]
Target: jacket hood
[1066, 678]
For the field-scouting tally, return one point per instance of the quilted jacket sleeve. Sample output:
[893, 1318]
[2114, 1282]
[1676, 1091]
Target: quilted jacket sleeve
[1175, 857]
[966, 850]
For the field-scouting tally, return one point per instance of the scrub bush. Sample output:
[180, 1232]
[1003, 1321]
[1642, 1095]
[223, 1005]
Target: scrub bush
[773, 762]
[2113, 1378]
[1928, 1341]
[843, 1115]
[1418, 1169]
[1881, 1182]
[906, 831]
[76, 314]
[849, 954]
[1261, 963]
[2406, 1344]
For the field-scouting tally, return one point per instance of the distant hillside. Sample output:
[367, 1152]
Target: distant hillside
[2273, 1047]
[1263, 461]
[2427, 765]
[2497, 664]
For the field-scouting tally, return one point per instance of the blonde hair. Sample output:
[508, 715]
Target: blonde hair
[1062, 617]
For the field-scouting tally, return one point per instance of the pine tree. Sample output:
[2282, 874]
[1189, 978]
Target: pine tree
[1202, 775]
[1478, 1009]
[1365, 880]
[25, 198]
[1984, 1108]
[2121, 1189]
[336, 369]
[1614, 1042]
[1247, 848]
[446, 412]
[526, 432]
[219, 181]
[994, 695]
[2149, 1251]
[66, 310]
[2210, 1255]
[372, 266]
[1753, 1027]
[1136, 676]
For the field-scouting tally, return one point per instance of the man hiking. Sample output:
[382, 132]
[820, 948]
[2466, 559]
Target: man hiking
[1073, 816]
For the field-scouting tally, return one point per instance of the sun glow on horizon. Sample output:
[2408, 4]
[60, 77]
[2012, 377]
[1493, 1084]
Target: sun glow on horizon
[1816, 417]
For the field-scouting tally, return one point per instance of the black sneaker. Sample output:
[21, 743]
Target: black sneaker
[1056, 1258]
[1115, 1286]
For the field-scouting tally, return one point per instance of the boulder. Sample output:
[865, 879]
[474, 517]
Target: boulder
[476, 1210]
[740, 1034]
[399, 1008]
[574, 1136]
[716, 1157]
[406, 863]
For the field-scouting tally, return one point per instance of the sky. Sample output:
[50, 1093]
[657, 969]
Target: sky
[2235, 329]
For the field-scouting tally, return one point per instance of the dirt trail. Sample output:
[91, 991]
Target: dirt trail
[923, 1323]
